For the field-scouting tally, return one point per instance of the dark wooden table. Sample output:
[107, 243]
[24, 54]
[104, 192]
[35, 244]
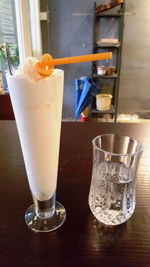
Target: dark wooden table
[81, 241]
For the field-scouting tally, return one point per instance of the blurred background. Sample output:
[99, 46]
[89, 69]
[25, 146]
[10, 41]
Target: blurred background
[66, 28]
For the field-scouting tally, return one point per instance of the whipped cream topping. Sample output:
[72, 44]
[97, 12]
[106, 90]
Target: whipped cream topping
[26, 70]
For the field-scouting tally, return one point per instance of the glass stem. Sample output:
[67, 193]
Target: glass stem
[44, 208]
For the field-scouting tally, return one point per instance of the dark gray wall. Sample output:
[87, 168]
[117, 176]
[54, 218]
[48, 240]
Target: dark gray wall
[71, 34]
[44, 26]
[134, 93]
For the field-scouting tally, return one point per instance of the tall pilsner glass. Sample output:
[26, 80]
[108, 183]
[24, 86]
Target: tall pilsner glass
[38, 108]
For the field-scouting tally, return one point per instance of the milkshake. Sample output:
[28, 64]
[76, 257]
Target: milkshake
[36, 91]
[37, 105]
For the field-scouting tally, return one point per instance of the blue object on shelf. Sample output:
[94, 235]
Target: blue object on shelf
[85, 90]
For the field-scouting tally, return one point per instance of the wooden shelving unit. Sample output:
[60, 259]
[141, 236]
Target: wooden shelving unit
[115, 49]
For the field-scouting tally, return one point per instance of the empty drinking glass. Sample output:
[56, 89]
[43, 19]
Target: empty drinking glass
[112, 192]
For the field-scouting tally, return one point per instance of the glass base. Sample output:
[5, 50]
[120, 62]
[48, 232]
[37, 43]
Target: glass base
[47, 224]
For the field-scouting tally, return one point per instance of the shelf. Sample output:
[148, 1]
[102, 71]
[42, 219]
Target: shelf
[103, 8]
[110, 111]
[115, 15]
[114, 76]
[107, 46]
[102, 42]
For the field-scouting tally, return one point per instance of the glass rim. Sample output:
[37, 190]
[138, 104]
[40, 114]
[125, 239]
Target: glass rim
[118, 154]
[24, 77]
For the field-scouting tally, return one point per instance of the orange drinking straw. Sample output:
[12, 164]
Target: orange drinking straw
[77, 59]
[47, 63]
